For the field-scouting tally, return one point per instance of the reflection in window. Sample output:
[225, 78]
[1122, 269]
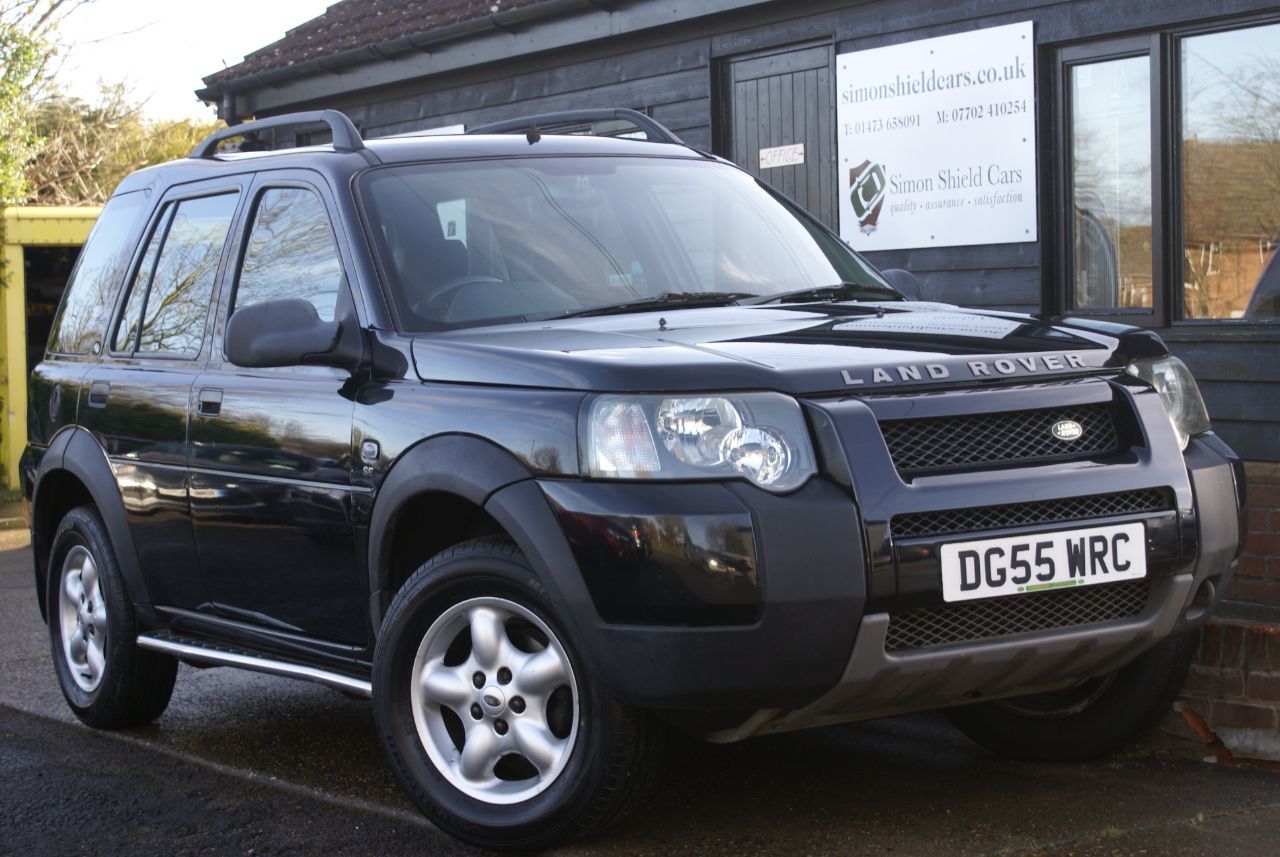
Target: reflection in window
[1111, 182]
[171, 289]
[548, 236]
[291, 253]
[89, 295]
[1231, 174]
[177, 303]
[127, 331]
[691, 212]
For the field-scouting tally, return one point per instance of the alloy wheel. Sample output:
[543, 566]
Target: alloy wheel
[83, 612]
[495, 701]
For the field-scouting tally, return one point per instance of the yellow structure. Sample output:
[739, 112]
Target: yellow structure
[25, 227]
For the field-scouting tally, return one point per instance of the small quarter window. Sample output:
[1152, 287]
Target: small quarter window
[291, 252]
[172, 288]
[83, 316]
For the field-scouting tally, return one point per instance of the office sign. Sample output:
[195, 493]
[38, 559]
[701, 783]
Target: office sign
[936, 141]
[782, 156]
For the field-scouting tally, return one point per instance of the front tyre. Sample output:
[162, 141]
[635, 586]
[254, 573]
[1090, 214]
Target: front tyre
[1087, 720]
[490, 720]
[108, 682]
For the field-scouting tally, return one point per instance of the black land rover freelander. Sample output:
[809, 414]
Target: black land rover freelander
[551, 443]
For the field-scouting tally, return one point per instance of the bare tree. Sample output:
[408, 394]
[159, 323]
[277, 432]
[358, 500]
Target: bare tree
[27, 54]
[87, 148]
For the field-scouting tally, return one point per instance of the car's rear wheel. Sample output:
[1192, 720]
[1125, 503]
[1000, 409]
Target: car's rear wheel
[107, 680]
[1086, 720]
[491, 721]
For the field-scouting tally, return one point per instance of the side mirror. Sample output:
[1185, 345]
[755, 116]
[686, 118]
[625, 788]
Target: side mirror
[905, 282]
[290, 333]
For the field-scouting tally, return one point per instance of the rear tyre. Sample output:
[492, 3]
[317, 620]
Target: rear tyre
[107, 680]
[1087, 720]
[490, 719]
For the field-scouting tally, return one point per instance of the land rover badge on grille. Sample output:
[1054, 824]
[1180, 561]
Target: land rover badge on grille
[1066, 430]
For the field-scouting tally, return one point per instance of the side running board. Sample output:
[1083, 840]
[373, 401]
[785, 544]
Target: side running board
[206, 653]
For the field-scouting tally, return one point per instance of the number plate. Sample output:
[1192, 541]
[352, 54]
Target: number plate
[1038, 562]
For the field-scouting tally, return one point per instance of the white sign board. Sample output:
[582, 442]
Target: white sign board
[782, 156]
[936, 141]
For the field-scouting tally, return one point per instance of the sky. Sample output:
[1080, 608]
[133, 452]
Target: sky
[163, 48]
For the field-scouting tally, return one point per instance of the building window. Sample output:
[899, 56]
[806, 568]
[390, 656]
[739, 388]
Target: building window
[1230, 128]
[1111, 182]
[1170, 158]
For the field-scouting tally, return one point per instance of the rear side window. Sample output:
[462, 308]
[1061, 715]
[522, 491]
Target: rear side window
[291, 252]
[169, 297]
[82, 318]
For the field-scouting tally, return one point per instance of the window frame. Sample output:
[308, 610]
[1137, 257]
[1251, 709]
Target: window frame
[159, 227]
[1069, 58]
[1175, 36]
[230, 281]
[160, 219]
[1163, 48]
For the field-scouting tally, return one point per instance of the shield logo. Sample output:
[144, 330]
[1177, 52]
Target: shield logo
[866, 194]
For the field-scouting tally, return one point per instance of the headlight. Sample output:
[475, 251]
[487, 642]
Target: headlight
[759, 436]
[1177, 388]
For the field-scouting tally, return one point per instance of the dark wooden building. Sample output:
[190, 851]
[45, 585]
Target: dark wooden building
[1156, 146]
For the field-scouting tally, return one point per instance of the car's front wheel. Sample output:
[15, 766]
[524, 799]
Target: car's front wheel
[491, 721]
[1088, 719]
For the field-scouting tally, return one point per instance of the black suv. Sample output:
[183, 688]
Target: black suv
[548, 443]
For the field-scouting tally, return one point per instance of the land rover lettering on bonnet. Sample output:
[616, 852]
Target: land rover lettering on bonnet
[972, 369]
[549, 444]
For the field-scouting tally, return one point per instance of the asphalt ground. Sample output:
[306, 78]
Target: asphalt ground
[250, 764]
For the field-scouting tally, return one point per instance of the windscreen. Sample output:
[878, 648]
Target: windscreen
[535, 238]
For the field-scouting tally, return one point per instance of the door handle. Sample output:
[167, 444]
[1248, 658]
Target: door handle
[209, 402]
[98, 393]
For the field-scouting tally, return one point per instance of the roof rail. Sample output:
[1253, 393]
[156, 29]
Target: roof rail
[654, 131]
[346, 138]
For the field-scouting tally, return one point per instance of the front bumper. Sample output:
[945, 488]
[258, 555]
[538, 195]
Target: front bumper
[659, 627]
[878, 682]
[773, 611]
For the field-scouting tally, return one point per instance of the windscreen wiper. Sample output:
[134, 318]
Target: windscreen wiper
[666, 300]
[838, 292]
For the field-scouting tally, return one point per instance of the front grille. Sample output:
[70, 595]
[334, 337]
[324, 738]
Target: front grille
[1024, 514]
[970, 621]
[1016, 437]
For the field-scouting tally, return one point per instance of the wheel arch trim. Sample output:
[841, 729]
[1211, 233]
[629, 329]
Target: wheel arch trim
[465, 466]
[76, 452]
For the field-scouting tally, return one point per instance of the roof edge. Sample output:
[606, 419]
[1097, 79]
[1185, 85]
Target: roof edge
[388, 49]
[533, 29]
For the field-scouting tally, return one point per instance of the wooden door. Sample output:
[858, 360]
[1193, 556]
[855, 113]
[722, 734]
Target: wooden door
[785, 98]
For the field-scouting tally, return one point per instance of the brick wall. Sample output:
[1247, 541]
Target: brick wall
[1255, 592]
[1232, 694]
[1233, 688]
